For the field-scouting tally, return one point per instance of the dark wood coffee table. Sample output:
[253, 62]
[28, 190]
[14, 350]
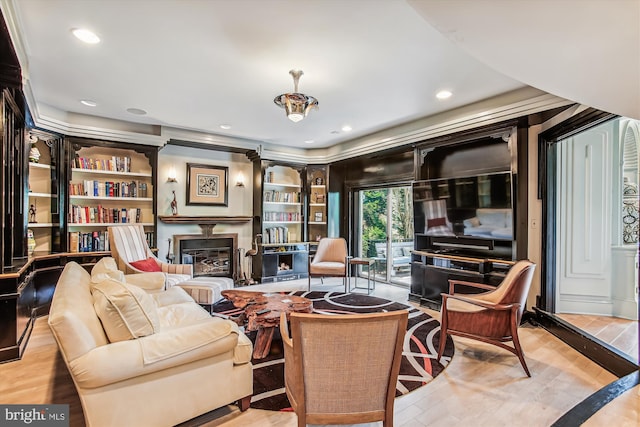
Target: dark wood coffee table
[265, 324]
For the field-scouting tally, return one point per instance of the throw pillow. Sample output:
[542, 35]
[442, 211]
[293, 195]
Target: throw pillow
[104, 269]
[148, 264]
[472, 222]
[125, 311]
[436, 222]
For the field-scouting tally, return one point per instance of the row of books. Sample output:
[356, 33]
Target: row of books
[92, 241]
[282, 196]
[98, 214]
[95, 241]
[276, 235]
[282, 216]
[108, 189]
[114, 164]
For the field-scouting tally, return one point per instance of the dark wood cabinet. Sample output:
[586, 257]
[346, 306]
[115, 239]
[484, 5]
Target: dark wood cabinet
[431, 272]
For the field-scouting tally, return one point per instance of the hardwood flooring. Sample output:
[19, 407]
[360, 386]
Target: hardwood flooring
[621, 334]
[482, 386]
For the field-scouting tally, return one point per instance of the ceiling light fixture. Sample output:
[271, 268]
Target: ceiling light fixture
[225, 127]
[136, 111]
[85, 35]
[443, 94]
[347, 128]
[88, 103]
[297, 105]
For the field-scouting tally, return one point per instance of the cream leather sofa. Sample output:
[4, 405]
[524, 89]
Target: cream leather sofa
[145, 357]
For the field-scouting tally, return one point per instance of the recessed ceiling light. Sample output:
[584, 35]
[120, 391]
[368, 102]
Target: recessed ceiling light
[309, 141]
[346, 128]
[225, 126]
[136, 111]
[443, 94]
[88, 103]
[86, 35]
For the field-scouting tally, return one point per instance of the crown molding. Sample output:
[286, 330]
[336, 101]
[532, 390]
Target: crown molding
[509, 106]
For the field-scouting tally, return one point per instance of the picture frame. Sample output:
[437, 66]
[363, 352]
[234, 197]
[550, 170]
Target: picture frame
[207, 185]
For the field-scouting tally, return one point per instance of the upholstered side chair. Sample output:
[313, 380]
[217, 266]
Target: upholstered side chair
[330, 260]
[129, 246]
[368, 350]
[493, 316]
[436, 220]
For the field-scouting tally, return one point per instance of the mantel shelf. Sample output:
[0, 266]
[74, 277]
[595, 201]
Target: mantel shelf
[203, 220]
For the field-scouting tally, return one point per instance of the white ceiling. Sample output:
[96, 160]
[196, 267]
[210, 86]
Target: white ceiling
[197, 64]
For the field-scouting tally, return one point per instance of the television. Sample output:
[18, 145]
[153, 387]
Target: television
[476, 207]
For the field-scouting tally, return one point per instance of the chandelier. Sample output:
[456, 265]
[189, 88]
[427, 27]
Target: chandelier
[297, 105]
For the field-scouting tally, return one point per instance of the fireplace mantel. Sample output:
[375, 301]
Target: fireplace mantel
[200, 220]
[206, 223]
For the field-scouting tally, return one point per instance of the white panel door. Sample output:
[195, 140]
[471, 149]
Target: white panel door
[584, 223]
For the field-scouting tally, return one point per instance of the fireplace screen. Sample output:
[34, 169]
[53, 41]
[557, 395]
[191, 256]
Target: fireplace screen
[208, 261]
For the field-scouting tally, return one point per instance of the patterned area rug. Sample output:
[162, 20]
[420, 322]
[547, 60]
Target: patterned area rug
[418, 367]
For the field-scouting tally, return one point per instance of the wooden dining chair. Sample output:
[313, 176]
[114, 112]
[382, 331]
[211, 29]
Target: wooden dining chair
[493, 316]
[343, 369]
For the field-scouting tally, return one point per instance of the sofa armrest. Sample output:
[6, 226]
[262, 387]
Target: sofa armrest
[123, 360]
[176, 268]
[150, 282]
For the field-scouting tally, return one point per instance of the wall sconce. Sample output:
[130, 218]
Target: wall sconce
[172, 175]
[240, 180]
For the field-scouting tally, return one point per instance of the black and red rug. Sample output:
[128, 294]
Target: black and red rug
[418, 367]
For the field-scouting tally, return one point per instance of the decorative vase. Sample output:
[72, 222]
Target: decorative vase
[34, 154]
[31, 242]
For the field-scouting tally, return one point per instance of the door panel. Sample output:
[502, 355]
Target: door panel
[585, 197]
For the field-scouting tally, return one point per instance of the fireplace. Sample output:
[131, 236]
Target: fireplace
[210, 254]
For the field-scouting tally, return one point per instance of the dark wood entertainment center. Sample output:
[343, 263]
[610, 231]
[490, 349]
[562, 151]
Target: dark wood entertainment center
[463, 178]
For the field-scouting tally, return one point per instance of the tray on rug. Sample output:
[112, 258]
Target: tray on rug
[418, 367]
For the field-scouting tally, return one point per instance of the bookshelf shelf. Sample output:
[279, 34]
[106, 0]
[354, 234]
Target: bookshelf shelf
[111, 184]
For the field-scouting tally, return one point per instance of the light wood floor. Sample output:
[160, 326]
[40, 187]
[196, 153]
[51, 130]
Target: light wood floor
[482, 386]
[621, 334]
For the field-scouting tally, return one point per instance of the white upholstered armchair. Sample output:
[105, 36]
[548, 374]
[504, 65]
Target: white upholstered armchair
[330, 260]
[130, 250]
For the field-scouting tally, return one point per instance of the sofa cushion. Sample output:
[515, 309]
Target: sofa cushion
[148, 264]
[106, 268]
[125, 311]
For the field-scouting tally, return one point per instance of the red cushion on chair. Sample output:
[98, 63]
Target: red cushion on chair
[148, 264]
[435, 222]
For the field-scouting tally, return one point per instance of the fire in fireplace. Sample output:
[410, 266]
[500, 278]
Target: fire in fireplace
[212, 255]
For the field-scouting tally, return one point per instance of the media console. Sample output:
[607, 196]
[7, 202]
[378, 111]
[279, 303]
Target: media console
[443, 258]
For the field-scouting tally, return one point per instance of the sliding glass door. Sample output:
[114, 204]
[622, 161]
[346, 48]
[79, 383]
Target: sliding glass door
[386, 232]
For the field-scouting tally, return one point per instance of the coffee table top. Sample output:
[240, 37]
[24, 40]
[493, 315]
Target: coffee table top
[252, 302]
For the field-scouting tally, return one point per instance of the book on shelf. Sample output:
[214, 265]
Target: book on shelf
[92, 241]
[114, 164]
[101, 215]
[277, 235]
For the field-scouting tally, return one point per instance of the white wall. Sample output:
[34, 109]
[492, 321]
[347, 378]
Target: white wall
[240, 198]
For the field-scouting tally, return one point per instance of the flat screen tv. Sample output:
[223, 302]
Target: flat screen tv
[478, 206]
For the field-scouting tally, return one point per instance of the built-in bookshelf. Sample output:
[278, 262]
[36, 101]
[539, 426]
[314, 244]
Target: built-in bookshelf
[109, 186]
[42, 211]
[317, 210]
[282, 201]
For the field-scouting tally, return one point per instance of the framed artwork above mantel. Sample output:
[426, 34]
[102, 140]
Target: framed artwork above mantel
[207, 185]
